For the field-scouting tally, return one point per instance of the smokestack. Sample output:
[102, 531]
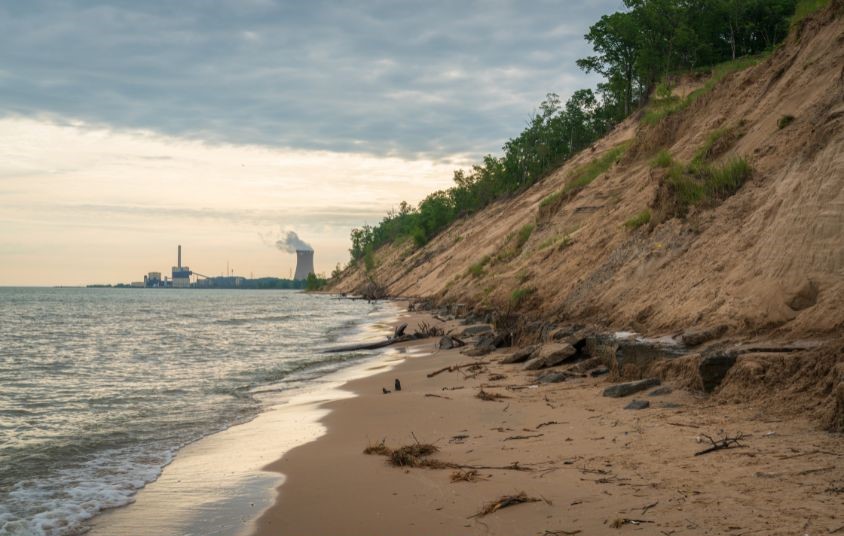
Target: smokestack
[179, 262]
[304, 264]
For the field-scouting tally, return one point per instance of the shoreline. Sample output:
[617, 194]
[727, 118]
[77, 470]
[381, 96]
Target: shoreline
[591, 464]
[217, 484]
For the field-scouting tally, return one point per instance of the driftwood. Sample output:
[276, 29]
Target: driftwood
[725, 443]
[367, 345]
[453, 368]
[618, 523]
[515, 437]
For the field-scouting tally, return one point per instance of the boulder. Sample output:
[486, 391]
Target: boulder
[624, 389]
[642, 352]
[600, 371]
[804, 297]
[638, 404]
[483, 346]
[565, 333]
[471, 331]
[698, 336]
[661, 391]
[503, 340]
[447, 343]
[552, 377]
[714, 366]
[550, 355]
[521, 355]
[587, 365]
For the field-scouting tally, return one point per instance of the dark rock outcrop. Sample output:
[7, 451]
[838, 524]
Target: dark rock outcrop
[714, 366]
[698, 336]
[625, 389]
[521, 355]
[638, 404]
[550, 355]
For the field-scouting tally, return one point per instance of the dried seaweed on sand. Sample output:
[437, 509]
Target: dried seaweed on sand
[504, 502]
[490, 397]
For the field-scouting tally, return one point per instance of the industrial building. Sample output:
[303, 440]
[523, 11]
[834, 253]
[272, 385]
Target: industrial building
[181, 277]
[181, 274]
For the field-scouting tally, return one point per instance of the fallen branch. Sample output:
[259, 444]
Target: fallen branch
[683, 424]
[515, 437]
[549, 423]
[618, 523]
[648, 507]
[725, 443]
[504, 502]
[436, 396]
[453, 368]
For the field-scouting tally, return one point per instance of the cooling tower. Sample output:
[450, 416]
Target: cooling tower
[304, 264]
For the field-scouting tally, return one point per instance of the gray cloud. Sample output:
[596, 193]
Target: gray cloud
[327, 216]
[408, 78]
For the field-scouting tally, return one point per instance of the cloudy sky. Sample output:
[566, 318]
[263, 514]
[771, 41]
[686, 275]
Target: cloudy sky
[129, 127]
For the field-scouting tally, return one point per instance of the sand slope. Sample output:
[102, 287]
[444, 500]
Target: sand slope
[747, 263]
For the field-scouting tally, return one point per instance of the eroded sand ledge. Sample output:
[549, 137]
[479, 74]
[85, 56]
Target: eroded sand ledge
[594, 463]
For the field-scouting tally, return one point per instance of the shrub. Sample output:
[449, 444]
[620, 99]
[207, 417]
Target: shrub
[662, 159]
[419, 237]
[520, 295]
[659, 109]
[587, 173]
[700, 183]
[638, 220]
[551, 199]
[708, 150]
[523, 235]
[477, 269]
[784, 121]
[804, 8]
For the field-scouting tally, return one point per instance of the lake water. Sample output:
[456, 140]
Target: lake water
[99, 388]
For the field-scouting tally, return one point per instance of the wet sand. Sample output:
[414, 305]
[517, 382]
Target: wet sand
[594, 467]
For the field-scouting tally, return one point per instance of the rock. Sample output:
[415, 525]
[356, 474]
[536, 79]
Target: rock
[698, 336]
[638, 404]
[600, 371]
[714, 366]
[550, 355]
[471, 331]
[642, 352]
[503, 340]
[670, 405]
[563, 333]
[446, 343]
[624, 389]
[661, 391]
[805, 296]
[483, 346]
[521, 355]
[552, 377]
[587, 365]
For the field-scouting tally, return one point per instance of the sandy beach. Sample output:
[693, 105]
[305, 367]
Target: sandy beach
[584, 463]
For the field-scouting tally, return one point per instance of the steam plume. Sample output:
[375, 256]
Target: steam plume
[291, 243]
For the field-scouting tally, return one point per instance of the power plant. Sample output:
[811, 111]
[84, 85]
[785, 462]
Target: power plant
[182, 275]
[304, 264]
